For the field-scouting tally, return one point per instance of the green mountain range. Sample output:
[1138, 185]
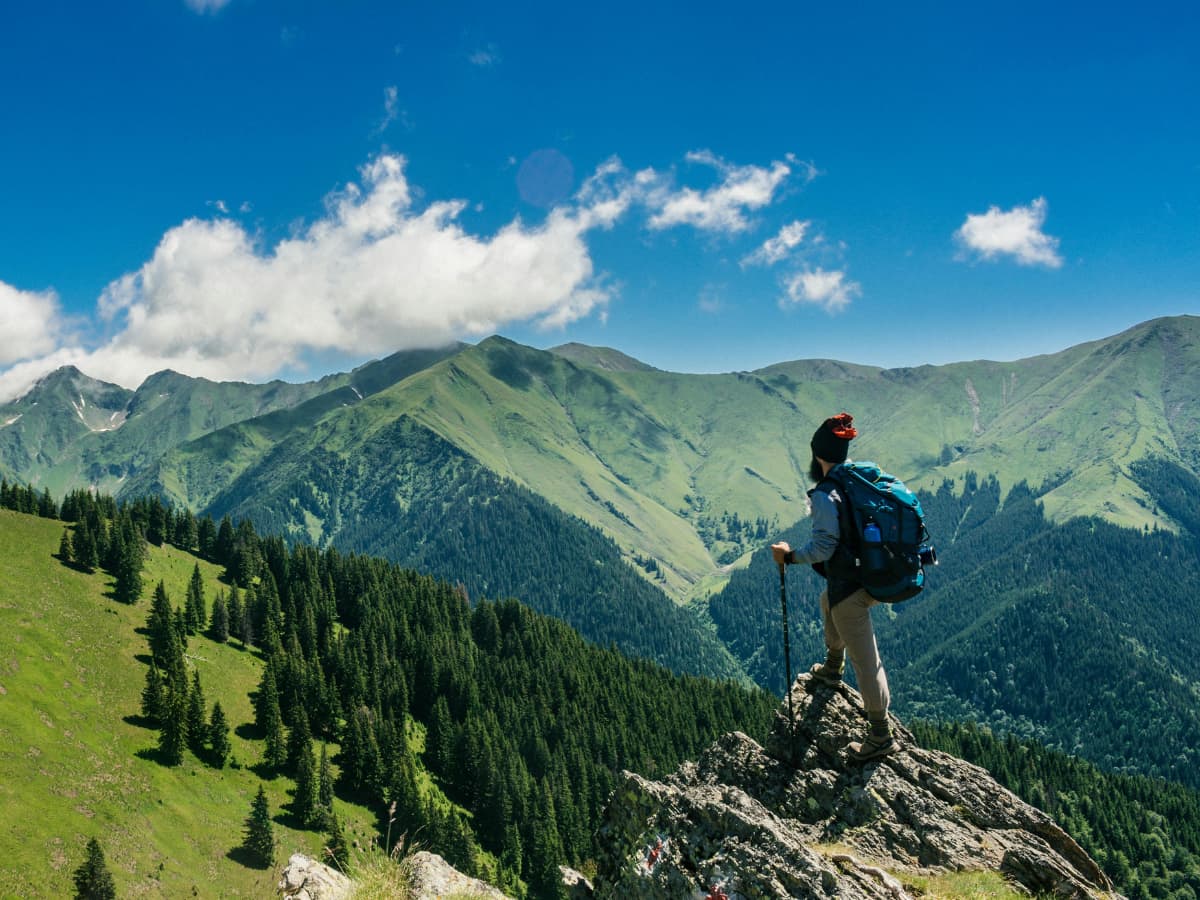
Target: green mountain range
[597, 487]
[687, 471]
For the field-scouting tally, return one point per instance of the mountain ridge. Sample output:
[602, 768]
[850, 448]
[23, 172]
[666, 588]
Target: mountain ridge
[673, 466]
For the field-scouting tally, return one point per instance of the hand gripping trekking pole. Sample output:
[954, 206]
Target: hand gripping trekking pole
[787, 658]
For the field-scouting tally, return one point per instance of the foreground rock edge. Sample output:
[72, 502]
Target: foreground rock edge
[798, 818]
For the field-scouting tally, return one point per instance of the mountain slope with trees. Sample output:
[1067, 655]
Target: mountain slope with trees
[407, 495]
[71, 431]
[417, 697]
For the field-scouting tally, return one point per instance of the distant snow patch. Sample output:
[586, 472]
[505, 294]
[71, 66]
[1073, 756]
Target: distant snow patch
[115, 421]
[8, 422]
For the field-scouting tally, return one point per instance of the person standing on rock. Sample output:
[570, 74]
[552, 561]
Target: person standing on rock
[845, 604]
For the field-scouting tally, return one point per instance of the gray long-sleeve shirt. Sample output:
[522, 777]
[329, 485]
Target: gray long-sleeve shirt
[825, 531]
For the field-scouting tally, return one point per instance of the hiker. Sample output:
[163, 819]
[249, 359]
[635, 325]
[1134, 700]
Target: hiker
[845, 604]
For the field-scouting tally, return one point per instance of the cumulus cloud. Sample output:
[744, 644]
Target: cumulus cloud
[374, 274]
[722, 207]
[378, 271]
[776, 249]
[30, 323]
[828, 289]
[1016, 233]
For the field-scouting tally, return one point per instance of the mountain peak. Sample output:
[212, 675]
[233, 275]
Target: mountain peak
[797, 818]
[605, 358]
[69, 380]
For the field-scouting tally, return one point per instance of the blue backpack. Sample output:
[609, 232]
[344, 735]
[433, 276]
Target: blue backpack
[886, 547]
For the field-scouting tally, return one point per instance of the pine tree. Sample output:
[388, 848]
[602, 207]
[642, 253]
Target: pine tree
[304, 801]
[159, 624]
[128, 572]
[174, 667]
[173, 737]
[260, 834]
[223, 543]
[325, 781]
[109, 545]
[299, 740]
[197, 726]
[47, 508]
[218, 626]
[270, 721]
[179, 626]
[85, 547]
[336, 848]
[183, 533]
[93, 881]
[152, 695]
[546, 855]
[156, 522]
[66, 552]
[206, 538]
[194, 606]
[218, 736]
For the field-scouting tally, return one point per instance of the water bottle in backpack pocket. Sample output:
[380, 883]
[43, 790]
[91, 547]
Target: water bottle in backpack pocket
[874, 557]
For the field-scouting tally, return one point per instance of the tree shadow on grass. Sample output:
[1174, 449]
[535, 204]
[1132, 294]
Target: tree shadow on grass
[144, 658]
[140, 722]
[244, 856]
[248, 731]
[154, 755]
[264, 771]
[289, 819]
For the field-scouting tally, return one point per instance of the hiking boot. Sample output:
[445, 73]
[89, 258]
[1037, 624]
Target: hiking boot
[874, 747]
[826, 674]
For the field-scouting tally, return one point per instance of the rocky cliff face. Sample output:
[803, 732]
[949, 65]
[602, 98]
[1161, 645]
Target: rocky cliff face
[798, 819]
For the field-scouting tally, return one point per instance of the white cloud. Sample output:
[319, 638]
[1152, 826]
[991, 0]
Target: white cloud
[828, 289]
[377, 272]
[722, 207]
[485, 57]
[777, 248]
[373, 275]
[30, 323]
[206, 6]
[391, 110]
[1016, 233]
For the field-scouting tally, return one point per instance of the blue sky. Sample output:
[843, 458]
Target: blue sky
[252, 188]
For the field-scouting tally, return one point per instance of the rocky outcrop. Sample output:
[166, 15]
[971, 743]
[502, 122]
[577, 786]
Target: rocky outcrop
[797, 818]
[306, 879]
[429, 877]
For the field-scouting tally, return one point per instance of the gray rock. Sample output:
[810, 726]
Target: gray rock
[431, 878]
[577, 885]
[799, 819]
[306, 879]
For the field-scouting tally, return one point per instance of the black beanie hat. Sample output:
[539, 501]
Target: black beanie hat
[831, 441]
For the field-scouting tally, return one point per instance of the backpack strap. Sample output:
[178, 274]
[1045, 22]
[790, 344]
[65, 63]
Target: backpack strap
[843, 563]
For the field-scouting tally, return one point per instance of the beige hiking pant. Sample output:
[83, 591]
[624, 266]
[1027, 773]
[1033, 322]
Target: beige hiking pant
[848, 627]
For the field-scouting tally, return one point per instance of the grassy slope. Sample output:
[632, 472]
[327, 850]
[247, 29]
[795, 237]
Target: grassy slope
[69, 764]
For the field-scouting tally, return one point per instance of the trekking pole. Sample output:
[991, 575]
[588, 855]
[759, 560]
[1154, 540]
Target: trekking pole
[787, 656]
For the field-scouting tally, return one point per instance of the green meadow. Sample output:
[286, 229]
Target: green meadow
[76, 763]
